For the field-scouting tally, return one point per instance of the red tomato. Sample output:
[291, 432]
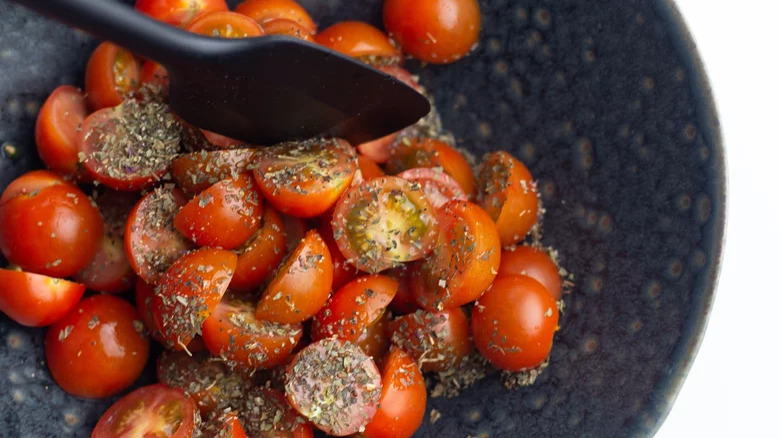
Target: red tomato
[287, 27]
[359, 40]
[220, 141]
[189, 291]
[535, 263]
[378, 150]
[402, 75]
[368, 168]
[435, 31]
[178, 12]
[301, 285]
[355, 307]
[197, 171]
[402, 406]
[225, 215]
[150, 411]
[98, 349]
[294, 230]
[224, 425]
[343, 272]
[305, 179]
[264, 11]
[334, 385]
[143, 303]
[437, 341]
[57, 129]
[383, 222]
[374, 340]
[225, 24]
[263, 253]
[155, 76]
[112, 74]
[151, 242]
[507, 192]
[404, 301]
[439, 188]
[514, 323]
[36, 300]
[464, 262]
[267, 414]
[47, 225]
[232, 332]
[429, 152]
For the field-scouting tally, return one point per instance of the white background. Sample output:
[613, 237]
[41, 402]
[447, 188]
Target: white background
[733, 388]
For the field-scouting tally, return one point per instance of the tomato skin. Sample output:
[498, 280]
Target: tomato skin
[378, 150]
[178, 12]
[435, 31]
[430, 152]
[197, 171]
[47, 225]
[374, 340]
[225, 24]
[514, 322]
[112, 74]
[438, 341]
[343, 272]
[103, 338]
[402, 406]
[56, 129]
[439, 188]
[219, 141]
[404, 301]
[154, 410]
[287, 27]
[258, 258]
[36, 300]
[155, 76]
[533, 262]
[265, 11]
[402, 75]
[358, 39]
[368, 168]
[225, 425]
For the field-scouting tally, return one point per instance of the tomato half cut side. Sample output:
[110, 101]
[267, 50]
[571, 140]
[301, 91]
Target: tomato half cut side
[178, 12]
[384, 222]
[533, 262]
[112, 75]
[225, 24]
[305, 179]
[412, 153]
[224, 425]
[360, 40]
[439, 188]
[281, 26]
[265, 413]
[154, 410]
[261, 254]
[197, 171]
[264, 11]
[57, 129]
[37, 300]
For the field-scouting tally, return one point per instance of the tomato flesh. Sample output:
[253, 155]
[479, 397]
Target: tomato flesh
[267, 414]
[281, 26]
[429, 152]
[439, 188]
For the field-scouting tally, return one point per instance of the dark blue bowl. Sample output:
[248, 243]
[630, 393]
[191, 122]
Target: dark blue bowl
[608, 104]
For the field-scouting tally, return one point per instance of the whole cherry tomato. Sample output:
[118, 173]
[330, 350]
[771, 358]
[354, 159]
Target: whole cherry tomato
[533, 262]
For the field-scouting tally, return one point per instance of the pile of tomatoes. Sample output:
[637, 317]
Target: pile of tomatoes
[306, 284]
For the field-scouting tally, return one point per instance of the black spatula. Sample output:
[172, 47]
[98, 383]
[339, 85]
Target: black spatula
[260, 90]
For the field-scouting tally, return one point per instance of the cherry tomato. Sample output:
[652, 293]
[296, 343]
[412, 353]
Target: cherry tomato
[464, 262]
[47, 225]
[507, 192]
[155, 76]
[150, 411]
[112, 74]
[429, 152]
[189, 291]
[36, 300]
[264, 11]
[197, 171]
[152, 243]
[225, 24]
[402, 406]
[343, 272]
[378, 150]
[219, 141]
[232, 332]
[383, 222]
[261, 254]
[224, 425]
[435, 31]
[56, 129]
[374, 340]
[267, 414]
[439, 188]
[533, 262]
[225, 215]
[404, 301]
[305, 179]
[98, 349]
[294, 230]
[334, 385]
[143, 303]
[301, 285]
[355, 307]
[178, 12]
[359, 40]
[368, 168]
[287, 27]
[514, 323]
[402, 75]
[437, 341]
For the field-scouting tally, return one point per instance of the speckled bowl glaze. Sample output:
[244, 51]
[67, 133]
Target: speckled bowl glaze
[606, 102]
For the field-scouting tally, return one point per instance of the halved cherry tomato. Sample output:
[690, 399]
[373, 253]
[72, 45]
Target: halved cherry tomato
[197, 171]
[507, 192]
[155, 76]
[287, 27]
[402, 406]
[301, 285]
[178, 12]
[143, 303]
[98, 349]
[219, 141]
[437, 341]
[264, 11]
[112, 74]
[368, 168]
[47, 225]
[233, 333]
[404, 301]
[152, 243]
[378, 150]
[514, 323]
[435, 31]
[36, 300]
[189, 291]
[533, 262]
[360, 40]
[294, 230]
[57, 129]
[355, 307]
[225, 215]
[374, 340]
[410, 153]
[343, 272]
[224, 425]
[267, 414]
[464, 262]
[334, 385]
[261, 254]
[439, 188]
[383, 222]
[150, 411]
[305, 179]
[402, 75]
[225, 24]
